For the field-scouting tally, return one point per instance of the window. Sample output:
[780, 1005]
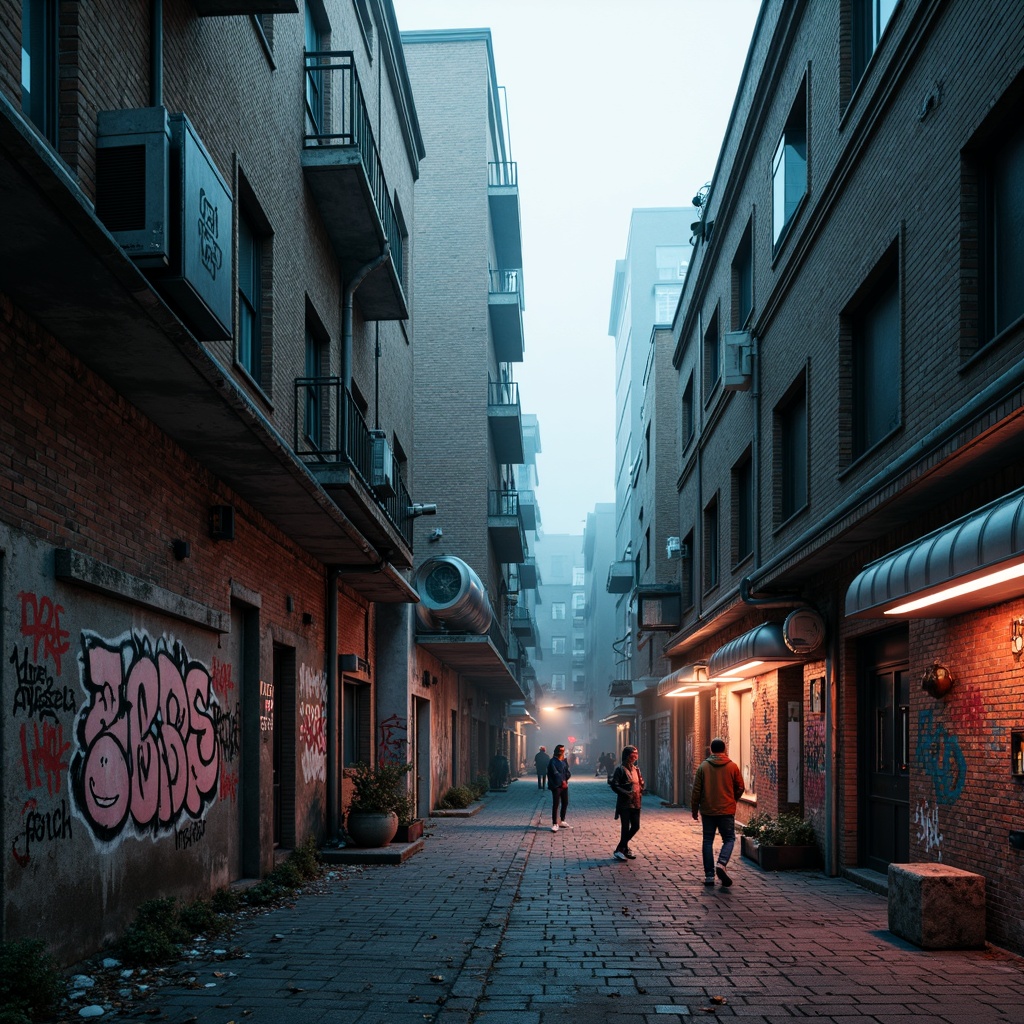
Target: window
[789, 168]
[579, 602]
[647, 548]
[741, 747]
[314, 371]
[791, 451]
[666, 298]
[578, 576]
[1003, 233]
[711, 573]
[687, 589]
[876, 362]
[314, 76]
[579, 645]
[868, 19]
[558, 645]
[557, 682]
[670, 261]
[39, 65]
[712, 357]
[579, 681]
[743, 280]
[647, 449]
[365, 23]
[687, 411]
[558, 610]
[743, 508]
[250, 326]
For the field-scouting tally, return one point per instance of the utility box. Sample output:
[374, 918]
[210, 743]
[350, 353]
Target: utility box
[738, 351]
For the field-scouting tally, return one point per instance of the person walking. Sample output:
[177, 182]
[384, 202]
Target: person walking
[558, 782]
[717, 785]
[540, 760]
[628, 784]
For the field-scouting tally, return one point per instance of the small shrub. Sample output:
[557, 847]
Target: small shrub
[306, 858]
[264, 893]
[30, 982]
[155, 935]
[480, 785]
[202, 918]
[226, 901]
[286, 875]
[781, 830]
[456, 798]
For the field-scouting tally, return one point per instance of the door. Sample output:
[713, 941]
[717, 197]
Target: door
[885, 743]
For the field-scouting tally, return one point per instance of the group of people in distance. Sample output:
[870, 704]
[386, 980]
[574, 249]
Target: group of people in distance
[717, 785]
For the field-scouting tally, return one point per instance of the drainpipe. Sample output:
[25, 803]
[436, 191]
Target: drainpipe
[156, 53]
[335, 708]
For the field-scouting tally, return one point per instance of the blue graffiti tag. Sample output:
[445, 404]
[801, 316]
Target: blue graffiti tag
[940, 756]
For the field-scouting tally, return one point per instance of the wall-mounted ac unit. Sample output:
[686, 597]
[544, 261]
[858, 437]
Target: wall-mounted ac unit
[382, 468]
[162, 198]
[738, 350]
[132, 166]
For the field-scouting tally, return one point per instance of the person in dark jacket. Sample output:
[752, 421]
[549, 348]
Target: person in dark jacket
[540, 761]
[717, 785]
[628, 784]
[558, 782]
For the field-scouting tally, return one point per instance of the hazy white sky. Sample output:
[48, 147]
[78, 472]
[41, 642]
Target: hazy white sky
[613, 104]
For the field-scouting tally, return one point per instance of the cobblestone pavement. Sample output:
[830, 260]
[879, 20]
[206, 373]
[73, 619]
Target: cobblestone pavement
[501, 920]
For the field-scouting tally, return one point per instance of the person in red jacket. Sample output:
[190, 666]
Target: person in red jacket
[717, 786]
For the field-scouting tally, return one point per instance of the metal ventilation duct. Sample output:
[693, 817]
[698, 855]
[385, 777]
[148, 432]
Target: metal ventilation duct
[452, 598]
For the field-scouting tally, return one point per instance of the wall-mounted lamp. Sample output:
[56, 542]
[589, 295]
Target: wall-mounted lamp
[937, 681]
[1017, 637]
[182, 549]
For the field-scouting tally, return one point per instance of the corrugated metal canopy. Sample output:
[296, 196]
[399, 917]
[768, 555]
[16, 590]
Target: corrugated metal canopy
[974, 562]
[761, 646]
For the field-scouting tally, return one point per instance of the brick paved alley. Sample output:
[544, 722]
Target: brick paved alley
[500, 920]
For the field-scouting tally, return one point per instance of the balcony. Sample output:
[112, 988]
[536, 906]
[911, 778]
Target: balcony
[219, 8]
[620, 577]
[505, 306]
[503, 199]
[523, 627]
[528, 509]
[353, 464]
[506, 420]
[343, 169]
[529, 577]
[506, 527]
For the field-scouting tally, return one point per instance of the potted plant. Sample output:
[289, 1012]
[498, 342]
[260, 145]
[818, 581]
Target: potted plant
[410, 828]
[379, 793]
[780, 842]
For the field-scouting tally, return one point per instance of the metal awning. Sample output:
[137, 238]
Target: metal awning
[687, 681]
[476, 658]
[761, 649]
[519, 712]
[974, 562]
[625, 712]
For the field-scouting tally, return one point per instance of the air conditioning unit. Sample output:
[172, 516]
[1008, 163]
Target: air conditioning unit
[673, 548]
[738, 350]
[132, 174]
[161, 196]
[382, 465]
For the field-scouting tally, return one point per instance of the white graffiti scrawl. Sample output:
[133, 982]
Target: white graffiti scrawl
[927, 821]
[313, 723]
[148, 759]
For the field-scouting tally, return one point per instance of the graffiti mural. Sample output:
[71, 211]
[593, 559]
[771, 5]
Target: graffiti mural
[393, 739]
[148, 755]
[267, 713]
[313, 723]
[40, 621]
[967, 713]
[927, 821]
[227, 718]
[814, 763]
[940, 756]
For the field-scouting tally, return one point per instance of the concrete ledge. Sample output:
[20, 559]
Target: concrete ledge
[936, 906]
[393, 853]
[459, 812]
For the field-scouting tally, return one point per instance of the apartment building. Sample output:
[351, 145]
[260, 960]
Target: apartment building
[849, 356]
[469, 422]
[205, 285]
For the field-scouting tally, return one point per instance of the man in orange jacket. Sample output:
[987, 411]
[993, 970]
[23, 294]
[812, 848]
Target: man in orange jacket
[717, 786]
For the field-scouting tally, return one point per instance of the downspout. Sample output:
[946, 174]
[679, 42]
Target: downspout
[335, 708]
[156, 53]
[346, 313]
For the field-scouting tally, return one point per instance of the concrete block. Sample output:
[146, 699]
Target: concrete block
[936, 906]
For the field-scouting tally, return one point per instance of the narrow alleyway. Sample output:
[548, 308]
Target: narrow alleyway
[500, 920]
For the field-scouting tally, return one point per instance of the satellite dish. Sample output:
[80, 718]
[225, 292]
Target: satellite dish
[803, 630]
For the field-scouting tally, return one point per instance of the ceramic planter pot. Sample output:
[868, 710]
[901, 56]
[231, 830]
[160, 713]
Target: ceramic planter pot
[371, 829]
[411, 832]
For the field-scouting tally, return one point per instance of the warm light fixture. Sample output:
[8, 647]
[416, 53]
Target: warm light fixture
[1017, 637]
[992, 579]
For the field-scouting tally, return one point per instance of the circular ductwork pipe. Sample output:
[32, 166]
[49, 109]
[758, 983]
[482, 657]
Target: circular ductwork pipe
[451, 596]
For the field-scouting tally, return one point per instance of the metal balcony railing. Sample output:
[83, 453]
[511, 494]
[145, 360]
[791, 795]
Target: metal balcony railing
[502, 392]
[503, 503]
[503, 173]
[330, 430]
[506, 282]
[336, 115]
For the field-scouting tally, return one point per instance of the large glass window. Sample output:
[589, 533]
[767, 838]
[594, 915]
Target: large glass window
[868, 19]
[558, 682]
[687, 412]
[875, 345]
[39, 65]
[711, 565]
[671, 261]
[557, 609]
[666, 298]
[743, 280]
[741, 747]
[712, 357]
[314, 76]
[791, 451]
[558, 645]
[250, 258]
[789, 168]
[743, 508]
[1003, 232]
